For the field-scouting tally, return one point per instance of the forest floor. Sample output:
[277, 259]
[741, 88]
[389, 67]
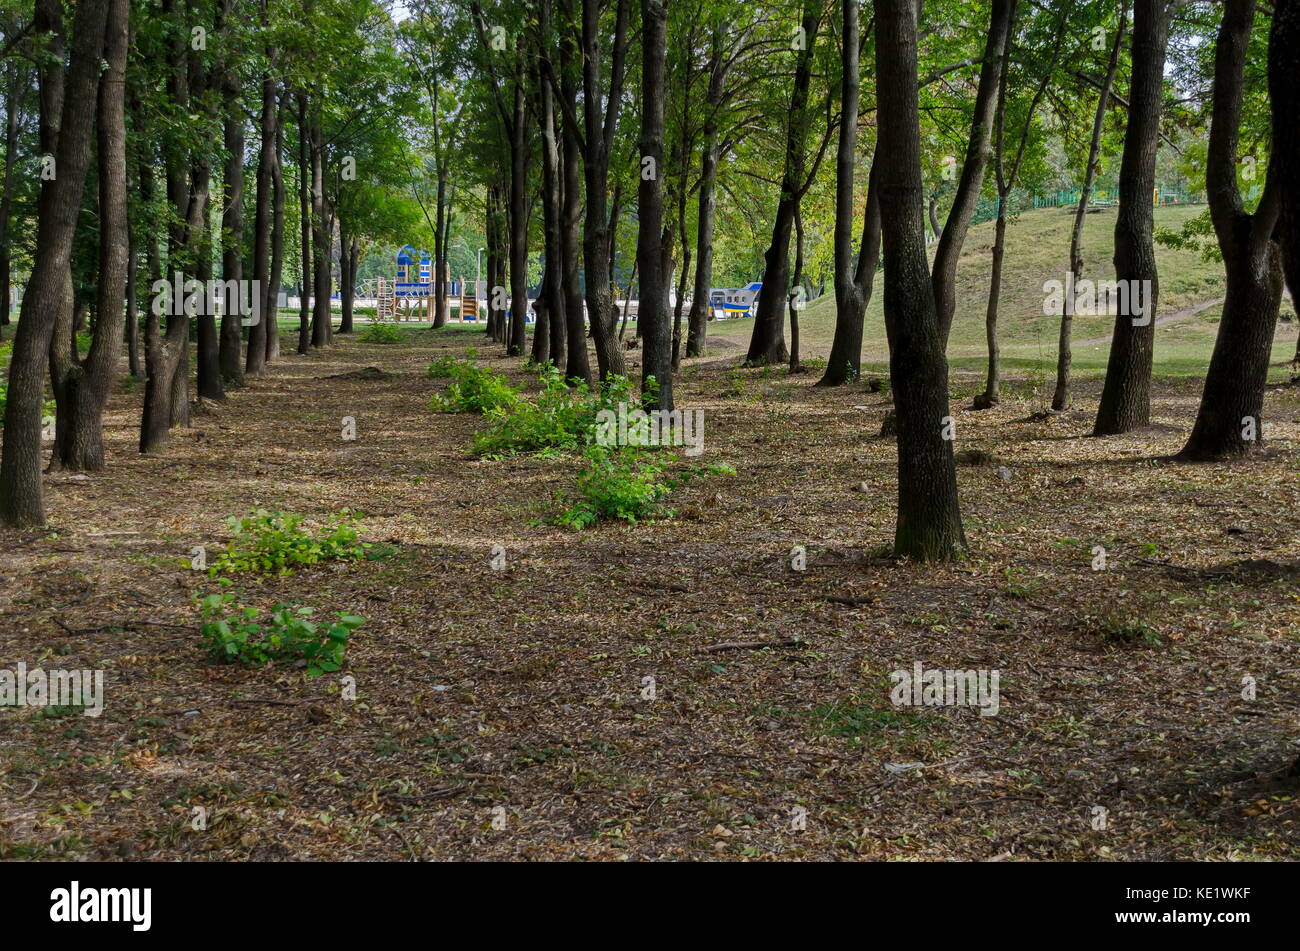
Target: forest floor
[503, 713]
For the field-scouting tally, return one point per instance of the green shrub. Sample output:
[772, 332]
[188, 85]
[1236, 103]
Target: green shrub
[381, 333]
[563, 417]
[265, 541]
[625, 483]
[474, 389]
[288, 634]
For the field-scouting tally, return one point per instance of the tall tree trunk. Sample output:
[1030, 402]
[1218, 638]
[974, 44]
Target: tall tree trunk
[88, 383]
[21, 502]
[1126, 395]
[697, 322]
[1284, 93]
[232, 228]
[518, 223]
[577, 366]
[853, 281]
[440, 250]
[256, 360]
[272, 307]
[1064, 357]
[652, 315]
[321, 235]
[929, 518]
[597, 235]
[767, 343]
[796, 293]
[552, 210]
[943, 276]
[13, 118]
[1230, 423]
[305, 226]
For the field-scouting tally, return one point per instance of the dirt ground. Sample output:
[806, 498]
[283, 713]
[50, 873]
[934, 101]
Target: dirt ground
[504, 713]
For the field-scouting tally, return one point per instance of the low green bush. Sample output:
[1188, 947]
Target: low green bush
[562, 418]
[235, 635]
[381, 333]
[276, 541]
[474, 389]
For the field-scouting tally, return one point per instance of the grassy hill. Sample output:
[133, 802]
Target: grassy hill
[1038, 244]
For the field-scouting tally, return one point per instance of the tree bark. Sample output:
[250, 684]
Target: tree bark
[87, 385]
[1061, 397]
[257, 333]
[1126, 395]
[767, 343]
[929, 518]
[232, 236]
[943, 276]
[21, 500]
[853, 282]
[305, 227]
[652, 315]
[1229, 423]
[597, 238]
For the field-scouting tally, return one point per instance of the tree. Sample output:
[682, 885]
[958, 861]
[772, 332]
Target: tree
[1061, 395]
[1229, 422]
[67, 126]
[1126, 395]
[929, 519]
[653, 316]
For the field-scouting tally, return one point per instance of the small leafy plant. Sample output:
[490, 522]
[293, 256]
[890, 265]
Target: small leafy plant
[562, 418]
[474, 389]
[235, 635]
[621, 483]
[380, 333]
[277, 541]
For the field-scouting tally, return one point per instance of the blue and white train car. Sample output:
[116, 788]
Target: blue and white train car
[725, 302]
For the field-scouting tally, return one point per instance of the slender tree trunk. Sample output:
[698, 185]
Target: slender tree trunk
[518, 223]
[321, 235]
[257, 333]
[21, 501]
[272, 308]
[597, 235]
[88, 384]
[652, 315]
[440, 251]
[1061, 397]
[13, 117]
[796, 297]
[853, 281]
[944, 272]
[767, 344]
[577, 366]
[1230, 423]
[232, 227]
[1126, 395]
[305, 226]
[698, 320]
[929, 518]
[552, 215]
